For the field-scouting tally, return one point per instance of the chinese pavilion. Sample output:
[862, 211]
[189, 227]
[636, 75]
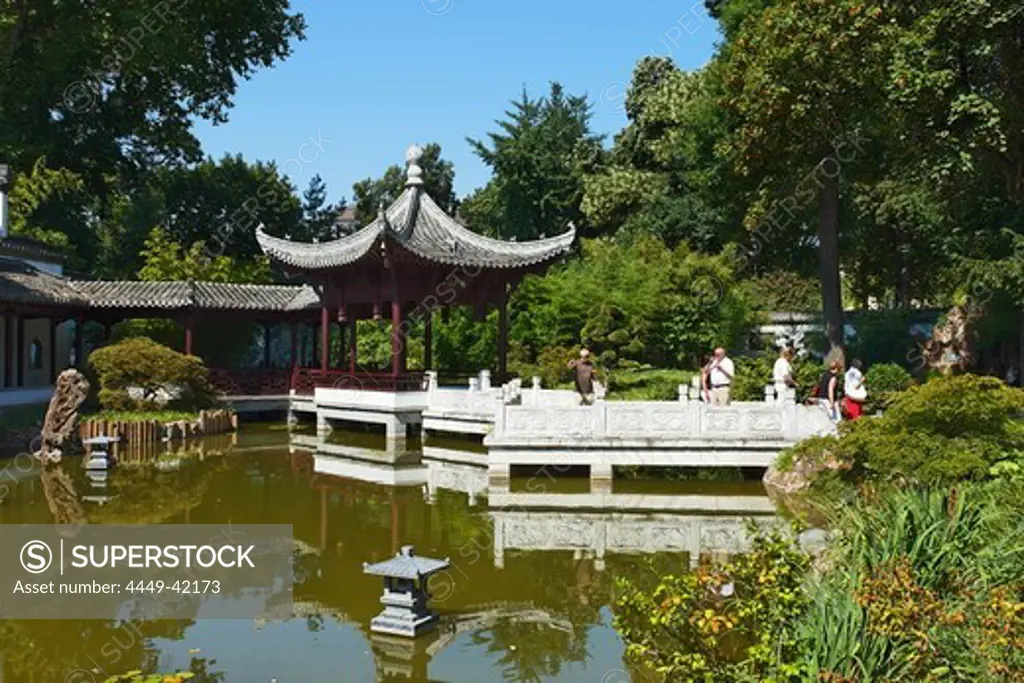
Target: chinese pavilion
[412, 260]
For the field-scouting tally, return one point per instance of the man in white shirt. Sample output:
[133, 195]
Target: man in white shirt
[720, 375]
[782, 373]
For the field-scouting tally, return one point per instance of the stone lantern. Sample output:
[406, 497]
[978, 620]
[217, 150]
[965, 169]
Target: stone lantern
[405, 593]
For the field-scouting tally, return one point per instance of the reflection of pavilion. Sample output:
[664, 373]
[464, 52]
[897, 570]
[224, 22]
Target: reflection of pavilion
[684, 524]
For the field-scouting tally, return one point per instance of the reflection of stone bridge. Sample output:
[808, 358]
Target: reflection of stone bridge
[596, 534]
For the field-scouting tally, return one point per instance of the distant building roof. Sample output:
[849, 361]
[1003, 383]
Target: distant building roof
[23, 283]
[406, 565]
[417, 225]
[196, 295]
[26, 247]
[349, 215]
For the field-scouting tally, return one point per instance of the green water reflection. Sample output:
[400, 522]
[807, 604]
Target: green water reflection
[516, 605]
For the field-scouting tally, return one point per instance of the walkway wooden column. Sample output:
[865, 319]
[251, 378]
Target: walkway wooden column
[428, 341]
[189, 333]
[80, 342]
[397, 345]
[9, 343]
[266, 345]
[53, 350]
[353, 345]
[325, 339]
[503, 333]
[19, 349]
[293, 354]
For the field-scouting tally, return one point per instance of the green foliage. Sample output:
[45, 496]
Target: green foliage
[109, 92]
[646, 384]
[318, 215]
[539, 160]
[885, 381]
[166, 259]
[753, 374]
[882, 337]
[151, 368]
[139, 677]
[916, 585]
[930, 582]
[49, 205]
[686, 630]
[784, 290]
[638, 300]
[946, 430]
[220, 343]
[663, 177]
[140, 416]
[438, 182]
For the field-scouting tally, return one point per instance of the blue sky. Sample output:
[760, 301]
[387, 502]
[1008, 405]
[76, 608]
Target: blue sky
[372, 77]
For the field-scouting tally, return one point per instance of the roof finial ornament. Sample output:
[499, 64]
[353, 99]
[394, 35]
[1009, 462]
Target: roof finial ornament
[413, 172]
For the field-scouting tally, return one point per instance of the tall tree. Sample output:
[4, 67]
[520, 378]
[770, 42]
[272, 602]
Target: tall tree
[438, 181]
[539, 158]
[223, 202]
[319, 217]
[805, 81]
[107, 88]
[663, 176]
[957, 82]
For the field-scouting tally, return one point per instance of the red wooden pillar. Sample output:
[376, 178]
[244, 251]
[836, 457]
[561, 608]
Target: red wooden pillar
[503, 334]
[325, 339]
[53, 350]
[189, 325]
[19, 349]
[293, 355]
[80, 342]
[9, 342]
[428, 341]
[266, 345]
[353, 345]
[397, 345]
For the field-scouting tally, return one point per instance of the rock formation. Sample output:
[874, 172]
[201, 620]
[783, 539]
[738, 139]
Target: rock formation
[950, 347]
[60, 427]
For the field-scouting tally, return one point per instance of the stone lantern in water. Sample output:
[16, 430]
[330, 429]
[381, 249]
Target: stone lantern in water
[405, 593]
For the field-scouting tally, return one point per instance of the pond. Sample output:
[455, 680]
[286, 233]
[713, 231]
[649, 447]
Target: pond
[529, 595]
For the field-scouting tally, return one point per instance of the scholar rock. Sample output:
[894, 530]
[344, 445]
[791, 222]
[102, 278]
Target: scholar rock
[60, 435]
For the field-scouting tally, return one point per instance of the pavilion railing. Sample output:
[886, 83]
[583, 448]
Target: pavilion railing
[251, 381]
[305, 380]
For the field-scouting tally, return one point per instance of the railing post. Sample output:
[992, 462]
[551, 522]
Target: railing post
[696, 389]
[485, 380]
[769, 393]
[684, 393]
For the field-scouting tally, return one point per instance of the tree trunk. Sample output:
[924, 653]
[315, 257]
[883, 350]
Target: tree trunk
[828, 240]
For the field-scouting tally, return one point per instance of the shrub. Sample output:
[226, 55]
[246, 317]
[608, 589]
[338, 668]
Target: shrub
[142, 364]
[753, 374]
[949, 429]
[917, 585]
[884, 382]
[688, 629]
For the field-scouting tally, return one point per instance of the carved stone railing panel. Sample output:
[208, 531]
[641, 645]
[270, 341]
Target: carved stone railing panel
[665, 419]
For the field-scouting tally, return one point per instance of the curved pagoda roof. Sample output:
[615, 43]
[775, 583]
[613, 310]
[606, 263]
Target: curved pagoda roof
[417, 225]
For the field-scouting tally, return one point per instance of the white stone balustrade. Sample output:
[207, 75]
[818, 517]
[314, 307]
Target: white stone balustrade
[562, 420]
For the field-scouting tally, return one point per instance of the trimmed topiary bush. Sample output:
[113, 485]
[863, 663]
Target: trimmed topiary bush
[156, 375]
[885, 381]
[949, 429]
